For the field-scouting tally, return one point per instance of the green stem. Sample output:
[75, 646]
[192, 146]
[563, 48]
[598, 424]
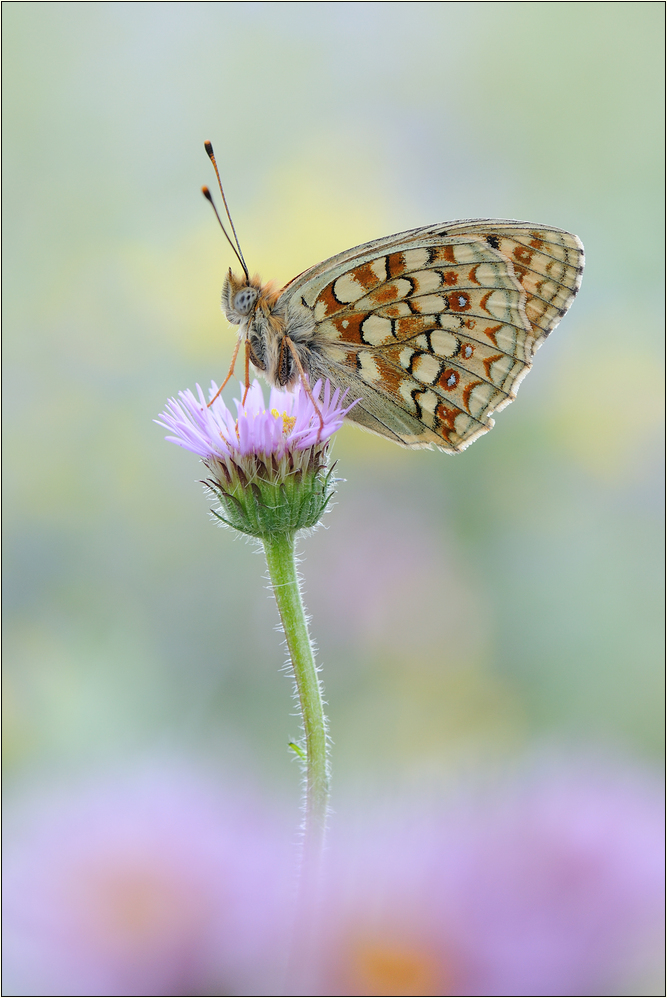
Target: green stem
[279, 550]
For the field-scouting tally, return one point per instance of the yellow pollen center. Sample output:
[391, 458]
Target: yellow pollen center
[391, 968]
[288, 421]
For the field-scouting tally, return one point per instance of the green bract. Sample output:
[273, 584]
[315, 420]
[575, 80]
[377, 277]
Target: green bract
[278, 498]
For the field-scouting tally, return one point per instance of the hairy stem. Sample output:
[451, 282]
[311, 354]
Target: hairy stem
[280, 559]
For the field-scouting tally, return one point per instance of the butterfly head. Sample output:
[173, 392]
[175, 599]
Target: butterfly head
[243, 296]
[239, 298]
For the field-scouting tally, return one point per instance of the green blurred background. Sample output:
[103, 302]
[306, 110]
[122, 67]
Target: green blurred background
[466, 609]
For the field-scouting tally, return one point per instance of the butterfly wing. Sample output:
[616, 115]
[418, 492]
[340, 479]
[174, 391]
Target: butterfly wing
[434, 329]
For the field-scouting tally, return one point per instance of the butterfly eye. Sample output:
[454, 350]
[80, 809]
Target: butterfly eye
[244, 300]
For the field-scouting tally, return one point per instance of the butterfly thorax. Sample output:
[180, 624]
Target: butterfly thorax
[269, 326]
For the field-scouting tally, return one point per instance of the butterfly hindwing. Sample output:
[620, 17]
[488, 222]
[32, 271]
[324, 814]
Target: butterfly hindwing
[547, 262]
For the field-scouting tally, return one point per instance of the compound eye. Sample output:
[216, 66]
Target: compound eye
[244, 300]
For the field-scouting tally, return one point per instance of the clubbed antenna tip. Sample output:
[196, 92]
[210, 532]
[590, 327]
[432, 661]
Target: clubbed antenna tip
[207, 194]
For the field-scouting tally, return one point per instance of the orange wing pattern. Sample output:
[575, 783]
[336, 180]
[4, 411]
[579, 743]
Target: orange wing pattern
[433, 330]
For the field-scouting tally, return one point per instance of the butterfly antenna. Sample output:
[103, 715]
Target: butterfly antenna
[211, 155]
[207, 194]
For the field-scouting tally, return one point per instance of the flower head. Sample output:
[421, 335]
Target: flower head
[155, 883]
[548, 884]
[291, 422]
[268, 465]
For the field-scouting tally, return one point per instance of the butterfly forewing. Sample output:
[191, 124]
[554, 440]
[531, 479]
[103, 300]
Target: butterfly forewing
[434, 329]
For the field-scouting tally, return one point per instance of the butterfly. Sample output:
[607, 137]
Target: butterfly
[432, 329]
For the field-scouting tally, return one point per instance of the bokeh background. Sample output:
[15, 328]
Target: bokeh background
[471, 613]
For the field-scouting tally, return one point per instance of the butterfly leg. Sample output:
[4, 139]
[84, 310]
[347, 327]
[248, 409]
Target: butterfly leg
[246, 374]
[231, 370]
[304, 382]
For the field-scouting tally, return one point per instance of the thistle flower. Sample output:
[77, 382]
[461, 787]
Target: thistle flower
[269, 467]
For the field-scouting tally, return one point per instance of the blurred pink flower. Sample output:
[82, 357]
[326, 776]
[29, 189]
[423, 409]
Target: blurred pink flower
[162, 885]
[551, 887]
[158, 885]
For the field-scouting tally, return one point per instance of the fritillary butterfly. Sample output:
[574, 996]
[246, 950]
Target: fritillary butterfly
[432, 329]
